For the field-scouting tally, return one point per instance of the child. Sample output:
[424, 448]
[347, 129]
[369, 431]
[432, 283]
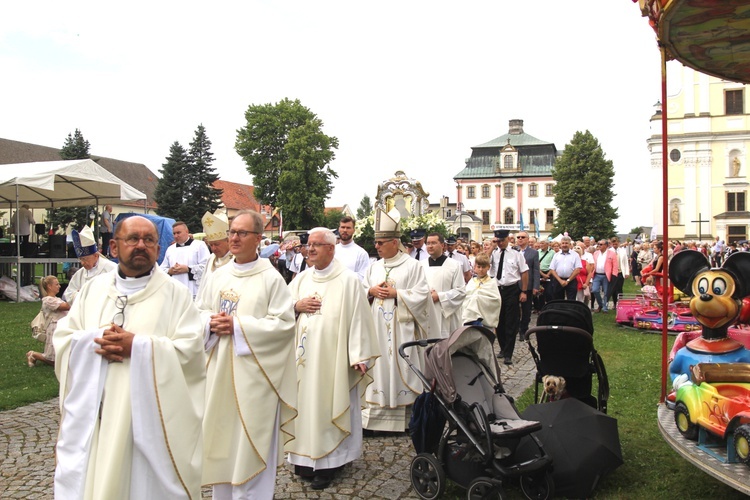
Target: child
[649, 290]
[482, 302]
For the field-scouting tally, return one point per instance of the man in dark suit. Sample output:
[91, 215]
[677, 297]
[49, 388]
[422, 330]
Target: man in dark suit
[532, 260]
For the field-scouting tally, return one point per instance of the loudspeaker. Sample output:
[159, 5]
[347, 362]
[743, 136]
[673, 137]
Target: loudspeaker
[29, 249]
[57, 248]
[40, 229]
[7, 249]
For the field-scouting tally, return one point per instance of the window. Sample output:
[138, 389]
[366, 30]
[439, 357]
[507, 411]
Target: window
[508, 161]
[486, 191]
[735, 202]
[733, 102]
[533, 190]
[508, 190]
[532, 215]
[550, 216]
[448, 213]
[736, 233]
[470, 192]
[485, 217]
[675, 155]
[548, 190]
[509, 216]
[472, 212]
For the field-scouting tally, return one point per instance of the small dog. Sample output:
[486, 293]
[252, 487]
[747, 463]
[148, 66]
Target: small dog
[554, 388]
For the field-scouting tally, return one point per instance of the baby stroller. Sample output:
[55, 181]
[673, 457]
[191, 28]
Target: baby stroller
[564, 338]
[476, 448]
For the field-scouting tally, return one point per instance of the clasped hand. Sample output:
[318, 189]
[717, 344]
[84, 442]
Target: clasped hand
[222, 324]
[115, 345]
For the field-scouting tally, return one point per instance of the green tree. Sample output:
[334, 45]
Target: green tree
[288, 156]
[583, 189]
[74, 148]
[172, 186]
[332, 219]
[365, 207]
[636, 230]
[201, 196]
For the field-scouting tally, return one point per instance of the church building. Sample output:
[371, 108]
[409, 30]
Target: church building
[708, 130]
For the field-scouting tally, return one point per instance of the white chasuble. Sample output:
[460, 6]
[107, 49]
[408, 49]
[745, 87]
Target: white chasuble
[395, 386]
[245, 390]
[328, 343]
[131, 429]
[448, 281]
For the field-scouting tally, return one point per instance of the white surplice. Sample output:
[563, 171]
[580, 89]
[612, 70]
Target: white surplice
[448, 281]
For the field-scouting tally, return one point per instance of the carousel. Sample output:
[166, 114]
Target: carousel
[704, 411]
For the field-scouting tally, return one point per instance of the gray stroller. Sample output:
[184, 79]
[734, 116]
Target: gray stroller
[465, 428]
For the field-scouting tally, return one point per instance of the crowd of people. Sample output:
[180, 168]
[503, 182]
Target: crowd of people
[215, 366]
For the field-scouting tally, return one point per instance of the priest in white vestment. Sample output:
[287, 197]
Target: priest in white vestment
[401, 312]
[447, 287]
[336, 344]
[92, 262]
[351, 255]
[131, 366]
[251, 382]
[185, 260]
[215, 227]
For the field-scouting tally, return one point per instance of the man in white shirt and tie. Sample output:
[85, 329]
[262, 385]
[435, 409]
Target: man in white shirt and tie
[512, 280]
[451, 252]
[419, 251]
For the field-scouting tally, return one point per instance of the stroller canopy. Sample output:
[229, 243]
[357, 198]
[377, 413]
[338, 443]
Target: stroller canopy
[473, 341]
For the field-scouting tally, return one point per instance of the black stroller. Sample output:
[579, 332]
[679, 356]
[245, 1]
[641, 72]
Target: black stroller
[476, 448]
[564, 338]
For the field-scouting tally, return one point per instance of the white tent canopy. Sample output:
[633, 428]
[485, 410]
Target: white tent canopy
[69, 183]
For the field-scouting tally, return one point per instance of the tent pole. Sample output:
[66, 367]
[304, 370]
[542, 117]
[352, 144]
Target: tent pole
[665, 222]
[18, 250]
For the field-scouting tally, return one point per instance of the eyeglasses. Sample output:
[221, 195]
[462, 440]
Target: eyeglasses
[120, 302]
[132, 240]
[318, 245]
[241, 234]
[521, 237]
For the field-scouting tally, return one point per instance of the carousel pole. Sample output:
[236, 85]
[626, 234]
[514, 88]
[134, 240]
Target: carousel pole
[665, 245]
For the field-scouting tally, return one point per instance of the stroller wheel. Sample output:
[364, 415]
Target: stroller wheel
[427, 476]
[539, 486]
[484, 488]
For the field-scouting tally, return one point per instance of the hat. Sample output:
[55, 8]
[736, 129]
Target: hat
[302, 240]
[215, 225]
[451, 239]
[336, 233]
[387, 225]
[502, 233]
[84, 242]
[417, 234]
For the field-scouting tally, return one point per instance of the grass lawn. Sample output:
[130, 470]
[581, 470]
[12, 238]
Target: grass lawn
[19, 384]
[632, 359]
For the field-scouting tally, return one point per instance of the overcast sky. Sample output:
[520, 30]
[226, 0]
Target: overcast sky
[404, 85]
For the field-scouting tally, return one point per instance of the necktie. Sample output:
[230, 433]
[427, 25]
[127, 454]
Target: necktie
[303, 266]
[500, 267]
[450, 254]
[417, 255]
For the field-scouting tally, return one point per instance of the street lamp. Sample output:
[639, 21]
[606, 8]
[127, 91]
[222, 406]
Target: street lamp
[443, 204]
[460, 213]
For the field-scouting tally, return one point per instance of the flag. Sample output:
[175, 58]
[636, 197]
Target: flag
[653, 233]
[280, 225]
[536, 224]
[521, 227]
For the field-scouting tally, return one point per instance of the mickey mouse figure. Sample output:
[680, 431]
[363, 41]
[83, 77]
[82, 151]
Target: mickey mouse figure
[716, 303]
